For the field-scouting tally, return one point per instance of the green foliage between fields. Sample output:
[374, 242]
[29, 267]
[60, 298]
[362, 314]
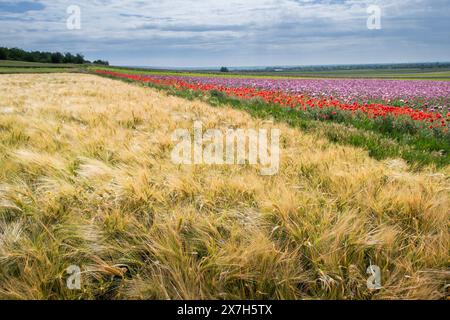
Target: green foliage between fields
[382, 138]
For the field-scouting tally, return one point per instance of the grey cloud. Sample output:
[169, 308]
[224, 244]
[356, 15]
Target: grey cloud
[195, 32]
[21, 6]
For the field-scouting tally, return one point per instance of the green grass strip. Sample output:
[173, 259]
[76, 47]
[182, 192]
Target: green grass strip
[383, 138]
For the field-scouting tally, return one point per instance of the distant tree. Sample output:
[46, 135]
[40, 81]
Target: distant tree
[29, 56]
[37, 56]
[3, 53]
[48, 57]
[224, 69]
[101, 62]
[79, 59]
[57, 57]
[68, 58]
[40, 56]
[16, 54]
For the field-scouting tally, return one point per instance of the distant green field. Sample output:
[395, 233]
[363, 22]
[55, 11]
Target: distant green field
[437, 74]
[24, 64]
[443, 74]
[7, 67]
[36, 70]
[405, 74]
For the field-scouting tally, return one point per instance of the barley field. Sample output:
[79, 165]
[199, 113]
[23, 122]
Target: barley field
[86, 179]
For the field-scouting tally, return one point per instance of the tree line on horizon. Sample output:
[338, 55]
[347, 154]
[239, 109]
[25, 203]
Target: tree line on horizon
[351, 67]
[16, 54]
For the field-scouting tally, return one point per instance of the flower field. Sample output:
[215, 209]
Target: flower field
[87, 181]
[426, 102]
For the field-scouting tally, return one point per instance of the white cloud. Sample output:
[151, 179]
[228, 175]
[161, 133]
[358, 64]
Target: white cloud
[217, 25]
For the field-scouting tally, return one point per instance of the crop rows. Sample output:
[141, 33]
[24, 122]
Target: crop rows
[425, 102]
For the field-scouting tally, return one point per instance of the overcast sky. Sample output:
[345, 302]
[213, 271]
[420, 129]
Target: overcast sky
[182, 33]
